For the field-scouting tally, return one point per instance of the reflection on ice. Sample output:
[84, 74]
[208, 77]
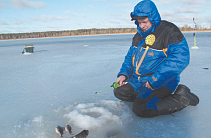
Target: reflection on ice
[27, 53]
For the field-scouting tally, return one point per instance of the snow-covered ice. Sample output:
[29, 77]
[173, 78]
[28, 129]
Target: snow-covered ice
[56, 85]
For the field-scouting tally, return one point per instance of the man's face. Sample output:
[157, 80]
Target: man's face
[144, 24]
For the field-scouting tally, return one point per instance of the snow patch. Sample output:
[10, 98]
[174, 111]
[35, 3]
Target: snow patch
[195, 47]
[95, 115]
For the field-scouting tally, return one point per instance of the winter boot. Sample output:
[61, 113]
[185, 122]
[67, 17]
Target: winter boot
[184, 91]
[177, 101]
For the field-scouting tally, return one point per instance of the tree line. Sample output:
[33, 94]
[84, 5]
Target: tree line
[92, 31]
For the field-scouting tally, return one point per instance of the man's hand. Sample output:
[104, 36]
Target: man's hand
[121, 80]
[148, 86]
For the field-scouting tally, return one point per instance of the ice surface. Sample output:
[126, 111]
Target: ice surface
[56, 85]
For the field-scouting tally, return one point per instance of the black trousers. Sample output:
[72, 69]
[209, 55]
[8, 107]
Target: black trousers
[127, 93]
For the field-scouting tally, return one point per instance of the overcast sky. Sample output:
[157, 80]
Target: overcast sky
[20, 16]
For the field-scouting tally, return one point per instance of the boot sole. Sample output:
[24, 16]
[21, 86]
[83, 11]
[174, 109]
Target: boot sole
[196, 98]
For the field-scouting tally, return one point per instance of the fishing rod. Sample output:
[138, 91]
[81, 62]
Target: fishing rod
[114, 85]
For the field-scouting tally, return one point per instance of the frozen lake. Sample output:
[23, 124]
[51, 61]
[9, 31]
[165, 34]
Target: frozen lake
[56, 85]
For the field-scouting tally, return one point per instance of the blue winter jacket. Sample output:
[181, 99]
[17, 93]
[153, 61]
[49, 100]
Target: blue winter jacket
[166, 58]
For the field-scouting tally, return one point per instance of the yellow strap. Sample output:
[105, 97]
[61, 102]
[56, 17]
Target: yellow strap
[142, 59]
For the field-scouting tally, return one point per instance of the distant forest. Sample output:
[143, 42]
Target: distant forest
[92, 31]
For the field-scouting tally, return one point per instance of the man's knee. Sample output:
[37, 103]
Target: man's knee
[140, 109]
[125, 93]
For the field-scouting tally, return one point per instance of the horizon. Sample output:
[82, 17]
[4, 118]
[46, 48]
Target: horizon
[24, 16]
[198, 30]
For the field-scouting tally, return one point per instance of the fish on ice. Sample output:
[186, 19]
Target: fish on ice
[60, 130]
[68, 129]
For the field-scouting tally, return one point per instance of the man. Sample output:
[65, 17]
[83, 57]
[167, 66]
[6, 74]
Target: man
[153, 87]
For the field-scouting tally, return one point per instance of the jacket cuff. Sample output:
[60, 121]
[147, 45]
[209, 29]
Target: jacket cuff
[151, 85]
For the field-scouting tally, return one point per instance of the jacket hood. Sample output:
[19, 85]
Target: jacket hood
[147, 8]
